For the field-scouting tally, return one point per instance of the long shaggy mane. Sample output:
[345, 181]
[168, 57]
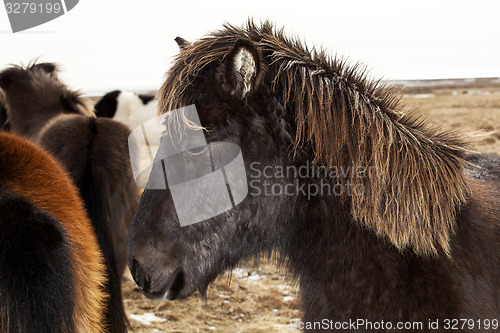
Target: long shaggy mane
[350, 120]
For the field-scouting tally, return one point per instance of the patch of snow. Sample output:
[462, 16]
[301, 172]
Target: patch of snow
[478, 92]
[471, 92]
[282, 328]
[424, 96]
[243, 274]
[240, 272]
[284, 289]
[256, 277]
[147, 318]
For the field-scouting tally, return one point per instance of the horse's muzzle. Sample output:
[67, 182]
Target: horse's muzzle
[157, 288]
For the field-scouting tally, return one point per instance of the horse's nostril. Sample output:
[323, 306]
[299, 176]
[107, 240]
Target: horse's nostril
[134, 268]
[141, 278]
[154, 286]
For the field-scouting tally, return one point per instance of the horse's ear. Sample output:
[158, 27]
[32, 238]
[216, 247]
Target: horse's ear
[182, 42]
[48, 67]
[242, 68]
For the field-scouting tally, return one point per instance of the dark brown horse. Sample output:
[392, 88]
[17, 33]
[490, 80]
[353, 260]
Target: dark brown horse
[93, 150]
[409, 235]
[52, 273]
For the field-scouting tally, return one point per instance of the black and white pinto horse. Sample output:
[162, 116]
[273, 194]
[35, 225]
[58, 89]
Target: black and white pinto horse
[127, 107]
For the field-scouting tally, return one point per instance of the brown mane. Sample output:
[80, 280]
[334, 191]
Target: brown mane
[349, 120]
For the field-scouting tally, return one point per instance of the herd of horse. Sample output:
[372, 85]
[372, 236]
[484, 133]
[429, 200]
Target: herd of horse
[420, 243]
[46, 118]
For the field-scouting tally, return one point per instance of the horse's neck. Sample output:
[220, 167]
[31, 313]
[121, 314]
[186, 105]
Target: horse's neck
[28, 120]
[28, 128]
[347, 272]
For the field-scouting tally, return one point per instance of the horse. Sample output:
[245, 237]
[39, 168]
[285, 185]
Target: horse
[52, 274]
[127, 107]
[409, 236]
[95, 153]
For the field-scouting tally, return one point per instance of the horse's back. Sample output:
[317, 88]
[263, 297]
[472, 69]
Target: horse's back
[484, 167]
[51, 266]
[36, 275]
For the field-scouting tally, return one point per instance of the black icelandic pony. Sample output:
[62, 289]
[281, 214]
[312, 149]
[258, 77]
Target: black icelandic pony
[95, 153]
[409, 235]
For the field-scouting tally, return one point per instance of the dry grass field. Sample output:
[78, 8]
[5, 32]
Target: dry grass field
[261, 299]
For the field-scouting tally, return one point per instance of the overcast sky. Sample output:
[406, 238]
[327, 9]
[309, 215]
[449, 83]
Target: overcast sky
[128, 44]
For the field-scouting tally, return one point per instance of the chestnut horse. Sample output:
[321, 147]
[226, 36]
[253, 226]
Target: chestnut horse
[52, 275]
[394, 226]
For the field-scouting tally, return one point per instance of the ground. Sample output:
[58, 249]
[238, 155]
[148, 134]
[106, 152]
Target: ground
[256, 300]
[261, 299]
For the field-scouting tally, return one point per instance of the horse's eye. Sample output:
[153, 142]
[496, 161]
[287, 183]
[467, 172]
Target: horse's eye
[197, 150]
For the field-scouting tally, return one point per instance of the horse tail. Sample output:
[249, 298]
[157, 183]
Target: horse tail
[37, 279]
[95, 152]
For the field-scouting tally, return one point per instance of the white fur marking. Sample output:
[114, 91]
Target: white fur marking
[132, 111]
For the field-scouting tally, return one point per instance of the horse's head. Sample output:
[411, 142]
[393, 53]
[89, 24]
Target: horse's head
[34, 94]
[235, 105]
[18, 80]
